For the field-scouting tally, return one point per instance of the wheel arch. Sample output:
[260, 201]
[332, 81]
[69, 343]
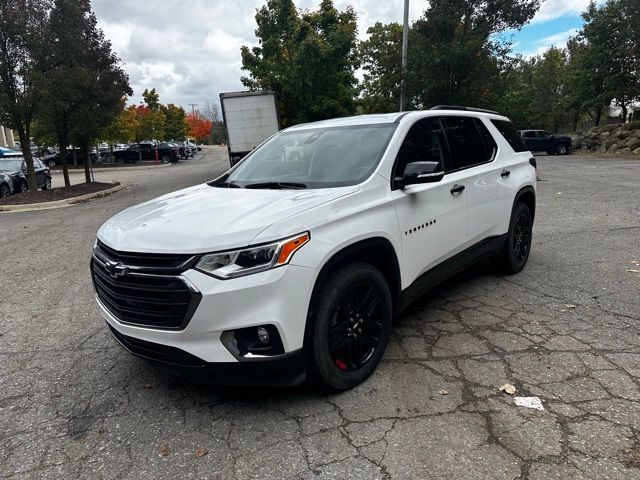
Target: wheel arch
[526, 195]
[376, 251]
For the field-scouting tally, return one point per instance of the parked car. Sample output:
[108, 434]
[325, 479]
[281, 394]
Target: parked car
[281, 269]
[9, 152]
[183, 152]
[16, 169]
[166, 153]
[54, 159]
[35, 150]
[6, 185]
[543, 141]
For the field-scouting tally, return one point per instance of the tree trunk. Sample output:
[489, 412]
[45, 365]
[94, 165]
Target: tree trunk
[574, 121]
[139, 153]
[598, 116]
[87, 162]
[25, 146]
[623, 106]
[62, 144]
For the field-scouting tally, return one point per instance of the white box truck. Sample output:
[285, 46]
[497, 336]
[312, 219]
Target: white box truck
[250, 118]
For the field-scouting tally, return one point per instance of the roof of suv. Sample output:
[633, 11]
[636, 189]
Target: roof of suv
[396, 117]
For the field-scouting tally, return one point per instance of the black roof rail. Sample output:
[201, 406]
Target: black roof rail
[459, 107]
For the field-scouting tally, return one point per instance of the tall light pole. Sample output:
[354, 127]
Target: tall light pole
[193, 108]
[405, 41]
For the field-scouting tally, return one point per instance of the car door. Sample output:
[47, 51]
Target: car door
[474, 152]
[432, 216]
[40, 172]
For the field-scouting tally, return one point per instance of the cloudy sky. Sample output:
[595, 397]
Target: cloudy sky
[189, 50]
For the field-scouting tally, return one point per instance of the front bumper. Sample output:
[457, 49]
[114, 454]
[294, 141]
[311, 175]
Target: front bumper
[283, 370]
[278, 297]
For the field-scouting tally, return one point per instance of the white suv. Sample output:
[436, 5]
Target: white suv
[295, 261]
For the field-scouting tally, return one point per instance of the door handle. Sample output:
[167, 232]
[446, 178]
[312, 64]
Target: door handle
[456, 189]
[505, 173]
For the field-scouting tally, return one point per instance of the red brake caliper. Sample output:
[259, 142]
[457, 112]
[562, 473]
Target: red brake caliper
[341, 365]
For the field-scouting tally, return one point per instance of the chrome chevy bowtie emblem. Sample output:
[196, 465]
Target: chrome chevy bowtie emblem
[115, 269]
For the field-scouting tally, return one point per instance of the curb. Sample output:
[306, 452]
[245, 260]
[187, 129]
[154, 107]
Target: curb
[114, 169]
[31, 207]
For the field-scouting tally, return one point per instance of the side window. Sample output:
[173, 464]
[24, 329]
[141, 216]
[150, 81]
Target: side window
[490, 146]
[465, 142]
[529, 134]
[423, 143]
[510, 135]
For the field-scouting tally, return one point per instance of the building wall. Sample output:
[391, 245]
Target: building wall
[6, 137]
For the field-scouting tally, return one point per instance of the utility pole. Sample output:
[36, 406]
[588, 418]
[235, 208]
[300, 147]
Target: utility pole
[193, 108]
[405, 40]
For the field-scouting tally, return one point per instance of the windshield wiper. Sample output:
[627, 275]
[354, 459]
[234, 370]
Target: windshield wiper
[231, 184]
[276, 185]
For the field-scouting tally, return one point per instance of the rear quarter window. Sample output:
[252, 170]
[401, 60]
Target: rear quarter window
[510, 135]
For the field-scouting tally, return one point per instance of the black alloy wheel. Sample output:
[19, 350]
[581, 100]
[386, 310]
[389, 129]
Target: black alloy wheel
[5, 191]
[24, 186]
[516, 249]
[562, 149]
[351, 326]
[521, 238]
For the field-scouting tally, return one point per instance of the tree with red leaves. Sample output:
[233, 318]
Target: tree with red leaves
[198, 126]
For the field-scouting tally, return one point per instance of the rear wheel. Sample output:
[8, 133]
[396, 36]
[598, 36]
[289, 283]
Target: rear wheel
[165, 158]
[515, 253]
[352, 323]
[24, 186]
[5, 191]
[47, 184]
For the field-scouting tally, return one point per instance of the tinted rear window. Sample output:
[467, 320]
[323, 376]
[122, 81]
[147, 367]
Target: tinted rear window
[510, 135]
[465, 142]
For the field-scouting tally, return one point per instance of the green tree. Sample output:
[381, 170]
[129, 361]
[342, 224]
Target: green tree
[174, 127]
[307, 58]
[381, 57]
[453, 57]
[24, 60]
[82, 92]
[151, 98]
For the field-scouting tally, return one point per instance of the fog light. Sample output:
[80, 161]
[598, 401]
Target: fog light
[263, 335]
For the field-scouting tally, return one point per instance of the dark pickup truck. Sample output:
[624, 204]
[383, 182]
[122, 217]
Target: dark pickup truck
[542, 141]
[166, 153]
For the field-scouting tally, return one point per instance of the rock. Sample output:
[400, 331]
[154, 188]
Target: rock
[611, 148]
[637, 151]
[634, 126]
[604, 135]
[623, 151]
[632, 143]
[621, 134]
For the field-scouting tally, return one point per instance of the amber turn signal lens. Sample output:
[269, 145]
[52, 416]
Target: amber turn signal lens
[291, 247]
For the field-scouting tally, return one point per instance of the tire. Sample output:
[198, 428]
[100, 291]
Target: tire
[348, 342]
[23, 185]
[561, 149]
[165, 159]
[5, 191]
[517, 246]
[47, 184]
[51, 163]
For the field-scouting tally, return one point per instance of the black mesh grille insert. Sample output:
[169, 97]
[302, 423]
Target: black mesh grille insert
[163, 302]
[160, 262]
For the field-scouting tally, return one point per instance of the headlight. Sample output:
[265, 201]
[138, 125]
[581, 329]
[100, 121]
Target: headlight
[250, 260]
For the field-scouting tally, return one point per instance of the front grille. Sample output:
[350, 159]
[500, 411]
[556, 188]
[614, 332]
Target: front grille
[149, 262]
[155, 351]
[138, 295]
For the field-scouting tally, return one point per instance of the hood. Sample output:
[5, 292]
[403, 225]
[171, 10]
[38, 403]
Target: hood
[205, 219]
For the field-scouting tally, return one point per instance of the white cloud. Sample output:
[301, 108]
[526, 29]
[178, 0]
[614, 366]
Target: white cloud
[556, 40]
[551, 9]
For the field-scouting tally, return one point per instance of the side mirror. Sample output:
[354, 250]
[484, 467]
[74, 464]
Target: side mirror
[419, 172]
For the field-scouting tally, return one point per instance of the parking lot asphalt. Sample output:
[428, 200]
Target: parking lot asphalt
[73, 404]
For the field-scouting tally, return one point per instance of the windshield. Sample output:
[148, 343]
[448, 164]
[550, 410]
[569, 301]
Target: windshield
[7, 165]
[313, 158]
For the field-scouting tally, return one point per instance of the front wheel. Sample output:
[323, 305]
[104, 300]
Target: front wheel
[517, 246]
[24, 186]
[562, 149]
[351, 326]
[5, 191]
[47, 184]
